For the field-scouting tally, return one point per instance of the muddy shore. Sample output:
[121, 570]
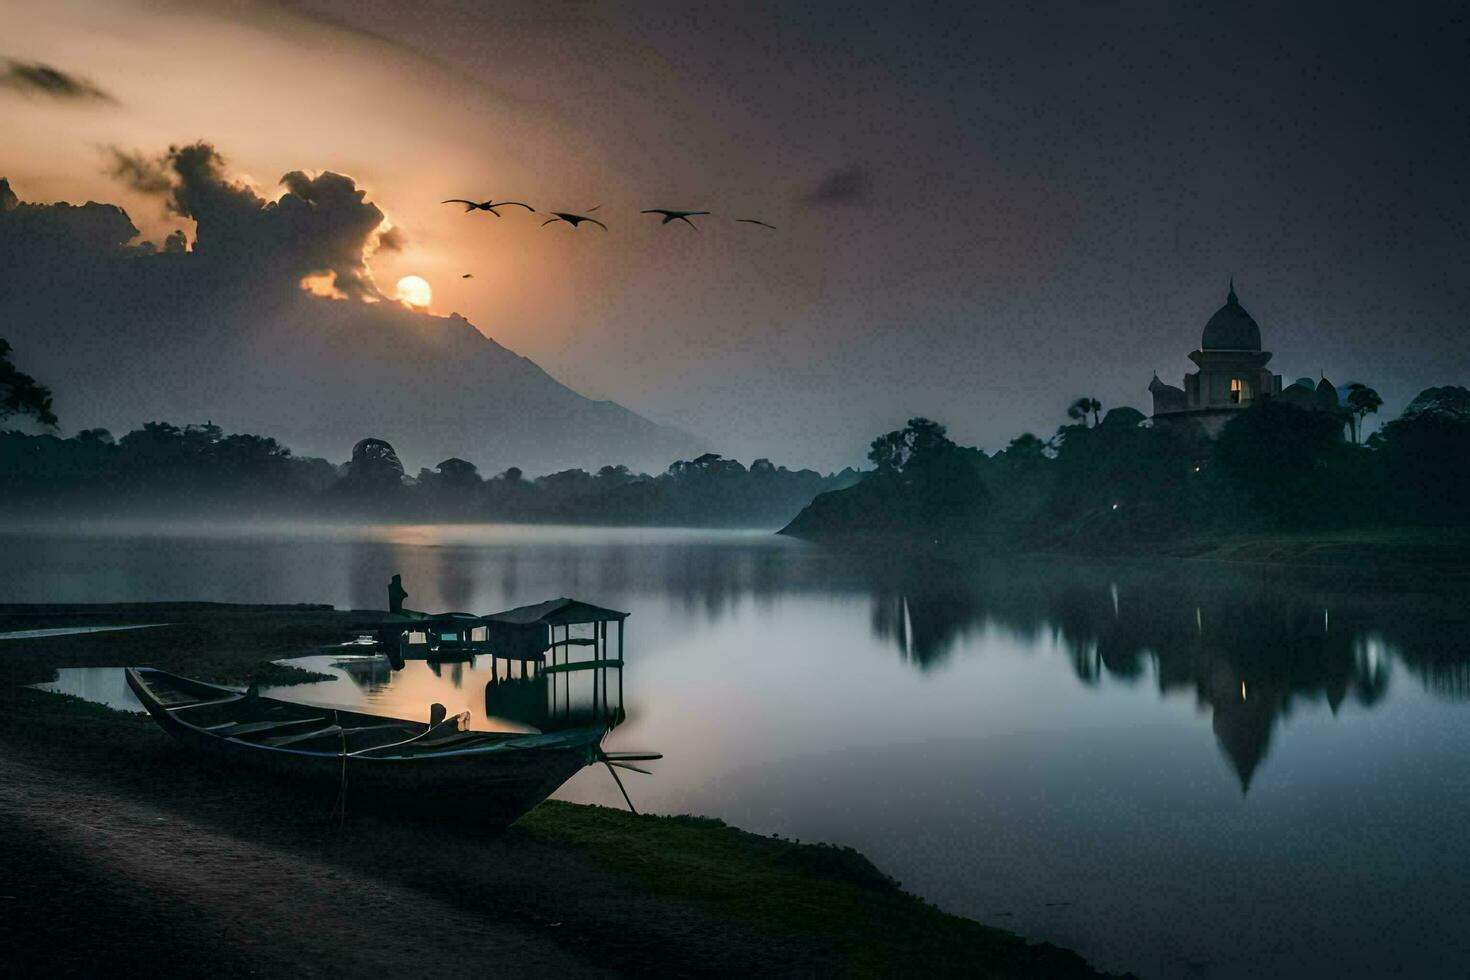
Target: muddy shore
[123, 852]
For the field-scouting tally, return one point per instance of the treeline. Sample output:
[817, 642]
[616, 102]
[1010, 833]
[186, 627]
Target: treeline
[1110, 482]
[202, 471]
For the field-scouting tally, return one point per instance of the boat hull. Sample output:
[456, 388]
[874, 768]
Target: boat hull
[490, 788]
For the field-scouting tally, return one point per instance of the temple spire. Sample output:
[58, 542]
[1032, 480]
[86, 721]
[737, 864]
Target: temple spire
[1231, 298]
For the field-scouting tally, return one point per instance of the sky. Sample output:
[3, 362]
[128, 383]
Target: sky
[983, 210]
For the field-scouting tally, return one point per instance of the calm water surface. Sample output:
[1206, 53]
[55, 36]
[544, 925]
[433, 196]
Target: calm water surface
[1178, 770]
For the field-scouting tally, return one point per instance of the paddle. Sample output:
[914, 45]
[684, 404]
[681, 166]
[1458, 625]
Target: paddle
[625, 760]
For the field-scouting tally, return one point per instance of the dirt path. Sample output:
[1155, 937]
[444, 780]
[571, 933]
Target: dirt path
[207, 901]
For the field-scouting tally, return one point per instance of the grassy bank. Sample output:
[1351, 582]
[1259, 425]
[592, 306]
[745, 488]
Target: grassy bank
[1351, 548]
[572, 888]
[1403, 550]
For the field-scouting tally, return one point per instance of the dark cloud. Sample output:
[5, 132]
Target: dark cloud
[146, 174]
[322, 226]
[846, 186]
[34, 78]
[49, 237]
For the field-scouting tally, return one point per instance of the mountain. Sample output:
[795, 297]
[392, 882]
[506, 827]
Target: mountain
[125, 333]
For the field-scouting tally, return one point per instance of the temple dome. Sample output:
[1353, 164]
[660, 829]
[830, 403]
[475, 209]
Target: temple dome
[1231, 328]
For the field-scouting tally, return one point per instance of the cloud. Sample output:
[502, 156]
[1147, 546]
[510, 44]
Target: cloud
[149, 175]
[846, 186]
[34, 78]
[50, 238]
[323, 226]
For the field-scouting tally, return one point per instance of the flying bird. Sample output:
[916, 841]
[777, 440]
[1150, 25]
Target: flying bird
[670, 215]
[753, 221]
[486, 205]
[574, 219]
[468, 275]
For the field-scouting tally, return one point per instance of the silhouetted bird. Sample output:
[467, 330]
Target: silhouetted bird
[486, 205]
[468, 275]
[753, 221]
[574, 219]
[674, 216]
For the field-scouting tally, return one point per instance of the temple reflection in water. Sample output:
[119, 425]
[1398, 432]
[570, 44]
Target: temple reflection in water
[1250, 651]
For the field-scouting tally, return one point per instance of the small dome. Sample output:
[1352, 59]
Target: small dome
[1231, 328]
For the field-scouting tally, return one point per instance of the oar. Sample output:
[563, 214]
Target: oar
[628, 799]
[624, 760]
[629, 765]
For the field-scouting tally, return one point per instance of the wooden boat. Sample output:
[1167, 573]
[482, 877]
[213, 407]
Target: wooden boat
[435, 769]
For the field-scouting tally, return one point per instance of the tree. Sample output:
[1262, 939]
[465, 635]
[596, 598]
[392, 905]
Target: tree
[926, 489]
[920, 440]
[21, 394]
[1424, 456]
[1278, 459]
[887, 452]
[374, 462]
[98, 437]
[1362, 401]
[458, 472]
[615, 475]
[1079, 409]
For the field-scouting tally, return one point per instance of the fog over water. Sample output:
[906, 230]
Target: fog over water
[1160, 765]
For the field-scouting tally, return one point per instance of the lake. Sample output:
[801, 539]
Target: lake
[1173, 768]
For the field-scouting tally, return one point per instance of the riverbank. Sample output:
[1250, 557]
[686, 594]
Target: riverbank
[175, 867]
[1379, 550]
[1436, 548]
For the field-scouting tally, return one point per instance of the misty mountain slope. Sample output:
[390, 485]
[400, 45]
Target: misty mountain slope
[125, 334]
[437, 387]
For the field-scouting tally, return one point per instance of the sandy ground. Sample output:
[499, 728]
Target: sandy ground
[195, 898]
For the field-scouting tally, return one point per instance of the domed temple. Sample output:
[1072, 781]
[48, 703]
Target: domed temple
[1232, 375]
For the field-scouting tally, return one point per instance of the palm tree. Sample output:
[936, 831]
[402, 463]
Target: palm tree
[1079, 409]
[1362, 401]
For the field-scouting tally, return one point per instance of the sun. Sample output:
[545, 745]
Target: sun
[414, 291]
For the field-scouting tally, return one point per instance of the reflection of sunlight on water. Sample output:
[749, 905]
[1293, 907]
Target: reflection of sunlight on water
[406, 693]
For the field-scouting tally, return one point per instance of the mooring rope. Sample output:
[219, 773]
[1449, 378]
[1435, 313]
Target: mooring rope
[339, 808]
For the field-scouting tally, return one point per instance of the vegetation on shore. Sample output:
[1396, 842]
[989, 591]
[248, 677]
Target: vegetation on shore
[199, 470]
[1122, 484]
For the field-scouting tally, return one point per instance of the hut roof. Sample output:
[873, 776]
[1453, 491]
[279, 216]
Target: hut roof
[556, 612]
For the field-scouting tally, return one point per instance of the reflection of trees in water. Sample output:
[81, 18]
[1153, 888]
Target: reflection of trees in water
[1252, 646]
[1252, 650]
